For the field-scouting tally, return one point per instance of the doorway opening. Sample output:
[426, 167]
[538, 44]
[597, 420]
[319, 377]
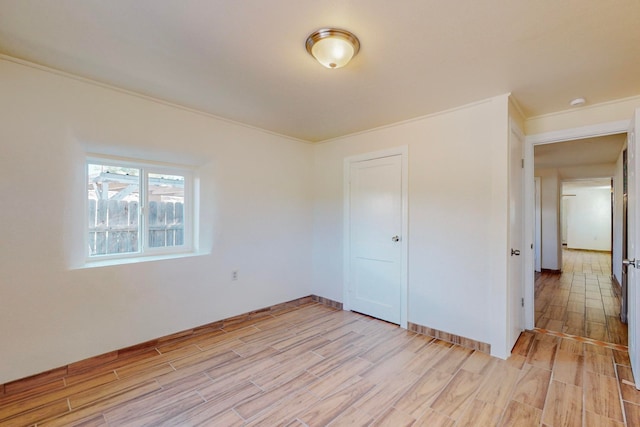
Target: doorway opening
[579, 237]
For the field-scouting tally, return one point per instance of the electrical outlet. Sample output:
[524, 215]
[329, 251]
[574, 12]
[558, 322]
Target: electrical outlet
[234, 275]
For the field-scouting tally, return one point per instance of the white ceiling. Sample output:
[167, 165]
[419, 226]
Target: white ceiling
[245, 59]
[581, 152]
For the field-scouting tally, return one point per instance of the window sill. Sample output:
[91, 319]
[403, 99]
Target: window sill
[138, 259]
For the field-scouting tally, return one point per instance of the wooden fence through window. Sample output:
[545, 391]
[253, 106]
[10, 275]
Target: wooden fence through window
[114, 227]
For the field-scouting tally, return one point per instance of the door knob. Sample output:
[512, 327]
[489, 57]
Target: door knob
[515, 252]
[395, 238]
[629, 262]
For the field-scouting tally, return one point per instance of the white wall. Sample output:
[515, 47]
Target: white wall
[606, 112]
[550, 211]
[589, 219]
[458, 221]
[256, 217]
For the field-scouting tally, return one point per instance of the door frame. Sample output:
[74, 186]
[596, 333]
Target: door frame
[602, 129]
[403, 152]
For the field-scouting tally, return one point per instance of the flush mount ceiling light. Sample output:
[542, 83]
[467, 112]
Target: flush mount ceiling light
[332, 47]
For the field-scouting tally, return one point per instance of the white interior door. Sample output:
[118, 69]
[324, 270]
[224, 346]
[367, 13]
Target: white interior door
[633, 246]
[537, 230]
[516, 224]
[375, 237]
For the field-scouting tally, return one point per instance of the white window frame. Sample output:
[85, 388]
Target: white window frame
[144, 251]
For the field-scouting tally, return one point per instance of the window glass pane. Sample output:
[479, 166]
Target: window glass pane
[166, 210]
[113, 201]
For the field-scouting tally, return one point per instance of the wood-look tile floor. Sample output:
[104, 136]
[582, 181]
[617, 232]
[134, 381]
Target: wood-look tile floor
[581, 300]
[316, 366]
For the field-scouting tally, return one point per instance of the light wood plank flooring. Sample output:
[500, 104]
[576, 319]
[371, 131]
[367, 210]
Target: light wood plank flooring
[580, 301]
[316, 366]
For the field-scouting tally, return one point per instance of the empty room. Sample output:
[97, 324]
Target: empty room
[296, 213]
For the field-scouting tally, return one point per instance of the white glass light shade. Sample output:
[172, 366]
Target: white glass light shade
[333, 48]
[332, 52]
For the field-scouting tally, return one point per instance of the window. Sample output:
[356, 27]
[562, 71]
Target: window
[137, 209]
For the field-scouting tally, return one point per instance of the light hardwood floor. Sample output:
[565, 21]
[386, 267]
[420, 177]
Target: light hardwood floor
[315, 366]
[580, 301]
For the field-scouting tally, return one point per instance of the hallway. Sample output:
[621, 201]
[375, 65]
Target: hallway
[581, 300]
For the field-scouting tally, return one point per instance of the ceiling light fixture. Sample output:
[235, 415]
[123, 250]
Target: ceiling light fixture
[577, 102]
[332, 47]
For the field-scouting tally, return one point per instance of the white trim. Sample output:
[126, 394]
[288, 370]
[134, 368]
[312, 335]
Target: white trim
[598, 105]
[143, 96]
[402, 151]
[591, 131]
